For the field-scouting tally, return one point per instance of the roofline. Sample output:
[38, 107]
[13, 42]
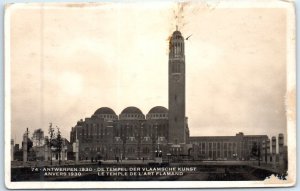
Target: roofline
[230, 136]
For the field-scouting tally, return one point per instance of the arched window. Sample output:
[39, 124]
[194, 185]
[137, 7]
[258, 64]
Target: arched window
[175, 48]
[181, 47]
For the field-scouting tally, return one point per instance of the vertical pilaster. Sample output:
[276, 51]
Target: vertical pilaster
[274, 151]
[280, 151]
[268, 151]
[46, 152]
[263, 151]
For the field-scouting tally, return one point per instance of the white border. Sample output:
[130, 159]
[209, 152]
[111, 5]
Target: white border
[291, 123]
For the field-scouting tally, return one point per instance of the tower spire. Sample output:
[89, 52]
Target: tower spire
[177, 119]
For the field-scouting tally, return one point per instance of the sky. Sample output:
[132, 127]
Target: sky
[69, 60]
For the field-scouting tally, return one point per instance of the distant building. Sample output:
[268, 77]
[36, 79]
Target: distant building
[43, 152]
[16, 147]
[38, 138]
[237, 147]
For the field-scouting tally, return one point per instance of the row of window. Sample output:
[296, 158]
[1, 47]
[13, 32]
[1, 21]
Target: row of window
[95, 149]
[226, 154]
[124, 130]
[131, 150]
[175, 150]
[91, 125]
[146, 138]
[157, 115]
[217, 145]
[132, 116]
[108, 116]
[119, 133]
[178, 48]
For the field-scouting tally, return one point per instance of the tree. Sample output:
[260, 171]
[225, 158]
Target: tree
[50, 141]
[29, 145]
[59, 142]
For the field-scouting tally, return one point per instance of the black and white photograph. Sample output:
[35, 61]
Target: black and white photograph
[174, 94]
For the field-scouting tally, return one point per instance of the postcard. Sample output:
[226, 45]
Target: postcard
[189, 94]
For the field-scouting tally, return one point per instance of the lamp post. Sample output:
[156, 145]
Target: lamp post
[156, 133]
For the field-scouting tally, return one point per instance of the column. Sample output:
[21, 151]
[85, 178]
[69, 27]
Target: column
[76, 150]
[268, 150]
[222, 150]
[280, 149]
[24, 146]
[46, 151]
[280, 143]
[274, 151]
[263, 151]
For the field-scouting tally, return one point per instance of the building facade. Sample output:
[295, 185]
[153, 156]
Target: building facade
[238, 147]
[131, 135]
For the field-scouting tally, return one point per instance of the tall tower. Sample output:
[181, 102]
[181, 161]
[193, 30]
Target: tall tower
[177, 121]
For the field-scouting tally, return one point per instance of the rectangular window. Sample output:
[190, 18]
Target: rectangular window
[178, 68]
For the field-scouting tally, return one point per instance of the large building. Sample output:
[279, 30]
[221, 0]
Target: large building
[133, 135]
[130, 135]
